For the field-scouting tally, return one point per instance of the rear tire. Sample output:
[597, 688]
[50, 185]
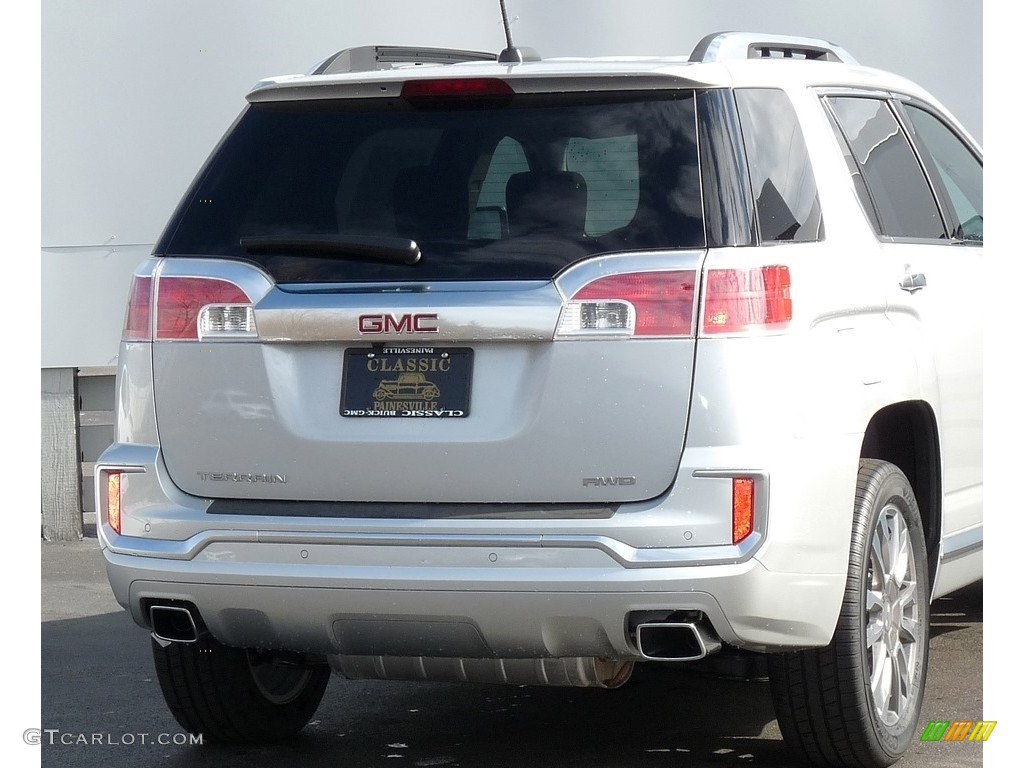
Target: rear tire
[857, 701]
[237, 695]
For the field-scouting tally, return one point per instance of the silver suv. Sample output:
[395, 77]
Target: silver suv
[449, 368]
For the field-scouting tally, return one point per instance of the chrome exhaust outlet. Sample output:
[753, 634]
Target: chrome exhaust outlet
[676, 641]
[173, 624]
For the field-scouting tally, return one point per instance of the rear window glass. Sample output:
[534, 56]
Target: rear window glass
[610, 168]
[511, 192]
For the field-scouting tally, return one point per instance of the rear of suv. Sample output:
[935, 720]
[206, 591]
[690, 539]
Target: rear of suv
[448, 368]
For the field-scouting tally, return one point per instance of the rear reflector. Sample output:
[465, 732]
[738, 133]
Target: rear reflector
[742, 508]
[137, 320]
[740, 300]
[635, 304]
[198, 307]
[114, 501]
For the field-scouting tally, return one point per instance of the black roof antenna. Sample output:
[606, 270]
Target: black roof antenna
[511, 54]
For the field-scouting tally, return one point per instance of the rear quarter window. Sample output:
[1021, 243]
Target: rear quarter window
[785, 193]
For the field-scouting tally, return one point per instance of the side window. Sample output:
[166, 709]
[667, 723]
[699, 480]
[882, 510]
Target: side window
[859, 184]
[960, 171]
[901, 202]
[785, 193]
[611, 170]
[489, 219]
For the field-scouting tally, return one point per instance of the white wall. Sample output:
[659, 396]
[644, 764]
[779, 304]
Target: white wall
[135, 94]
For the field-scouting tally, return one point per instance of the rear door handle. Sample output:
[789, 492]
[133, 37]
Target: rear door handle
[913, 282]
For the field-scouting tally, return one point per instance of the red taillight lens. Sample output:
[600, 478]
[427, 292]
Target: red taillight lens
[458, 87]
[637, 304]
[742, 508]
[180, 301]
[114, 501]
[739, 300]
[137, 322]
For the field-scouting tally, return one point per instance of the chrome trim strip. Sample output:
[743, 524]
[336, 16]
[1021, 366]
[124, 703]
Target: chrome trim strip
[587, 271]
[625, 555]
[961, 544]
[251, 279]
[173, 550]
[525, 311]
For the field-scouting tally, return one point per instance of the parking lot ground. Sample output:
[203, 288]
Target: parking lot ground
[101, 704]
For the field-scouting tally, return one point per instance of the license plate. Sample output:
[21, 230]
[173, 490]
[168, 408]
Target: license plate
[406, 382]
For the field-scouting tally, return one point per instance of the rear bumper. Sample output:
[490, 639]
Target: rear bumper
[505, 588]
[470, 601]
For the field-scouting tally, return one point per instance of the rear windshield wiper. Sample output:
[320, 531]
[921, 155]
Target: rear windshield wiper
[392, 250]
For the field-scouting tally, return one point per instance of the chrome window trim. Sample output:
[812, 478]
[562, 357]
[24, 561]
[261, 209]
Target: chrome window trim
[891, 100]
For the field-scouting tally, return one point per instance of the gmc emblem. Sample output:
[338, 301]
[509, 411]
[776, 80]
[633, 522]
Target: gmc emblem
[412, 323]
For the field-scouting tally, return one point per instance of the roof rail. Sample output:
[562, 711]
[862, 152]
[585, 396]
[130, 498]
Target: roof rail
[723, 46]
[369, 58]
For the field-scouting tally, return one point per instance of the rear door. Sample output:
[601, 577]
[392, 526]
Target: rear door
[922, 186]
[452, 301]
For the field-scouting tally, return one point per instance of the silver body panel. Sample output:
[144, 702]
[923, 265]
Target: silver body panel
[271, 409]
[199, 421]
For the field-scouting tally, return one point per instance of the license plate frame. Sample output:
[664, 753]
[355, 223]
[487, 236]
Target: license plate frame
[406, 382]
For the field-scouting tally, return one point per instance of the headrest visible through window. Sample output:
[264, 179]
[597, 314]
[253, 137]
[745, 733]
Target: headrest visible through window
[546, 202]
[429, 203]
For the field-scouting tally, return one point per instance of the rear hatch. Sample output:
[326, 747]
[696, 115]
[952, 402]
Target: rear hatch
[459, 295]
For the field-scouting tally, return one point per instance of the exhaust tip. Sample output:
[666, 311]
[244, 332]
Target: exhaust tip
[173, 624]
[675, 641]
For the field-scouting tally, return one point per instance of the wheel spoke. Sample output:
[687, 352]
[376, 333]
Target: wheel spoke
[881, 679]
[907, 597]
[874, 600]
[890, 526]
[901, 563]
[878, 553]
[875, 604]
[904, 663]
[909, 629]
[875, 632]
[903, 660]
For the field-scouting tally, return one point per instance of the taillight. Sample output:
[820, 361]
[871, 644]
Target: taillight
[137, 320]
[742, 508]
[114, 501]
[202, 307]
[739, 300]
[634, 304]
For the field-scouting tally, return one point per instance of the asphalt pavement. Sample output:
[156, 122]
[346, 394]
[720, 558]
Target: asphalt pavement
[101, 704]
